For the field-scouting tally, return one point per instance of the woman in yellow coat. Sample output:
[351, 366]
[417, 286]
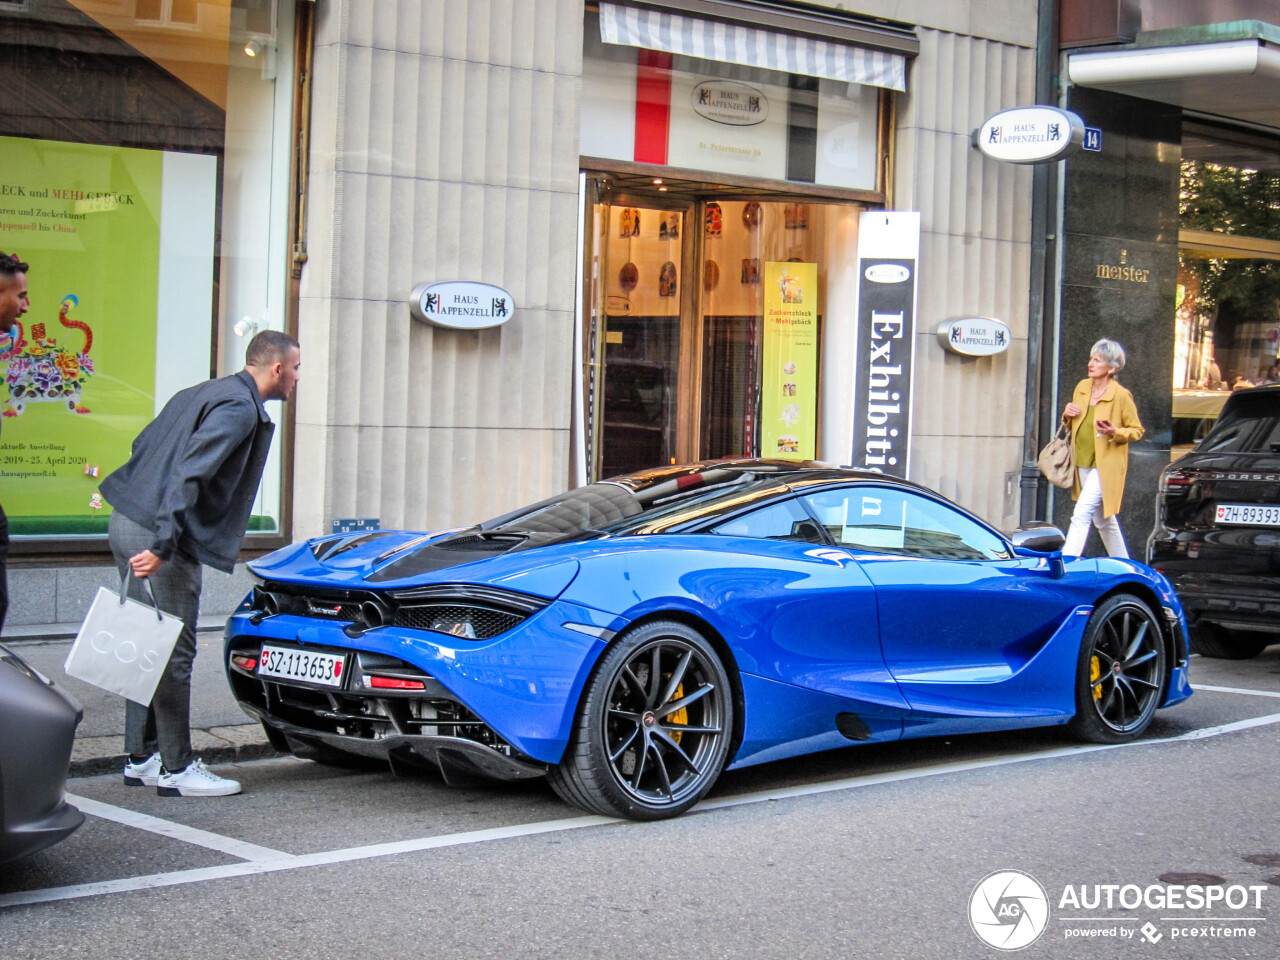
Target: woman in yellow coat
[1104, 421]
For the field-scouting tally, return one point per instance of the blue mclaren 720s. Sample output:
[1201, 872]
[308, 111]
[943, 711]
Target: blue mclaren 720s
[632, 638]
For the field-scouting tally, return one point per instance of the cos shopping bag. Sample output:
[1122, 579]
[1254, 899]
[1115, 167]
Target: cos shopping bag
[123, 645]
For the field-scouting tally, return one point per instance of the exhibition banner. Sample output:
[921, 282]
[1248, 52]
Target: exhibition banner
[79, 373]
[888, 251]
[789, 378]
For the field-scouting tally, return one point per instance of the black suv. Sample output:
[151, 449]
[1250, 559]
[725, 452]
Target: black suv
[1217, 532]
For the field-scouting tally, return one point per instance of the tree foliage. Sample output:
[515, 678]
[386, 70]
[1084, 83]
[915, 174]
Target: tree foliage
[1240, 202]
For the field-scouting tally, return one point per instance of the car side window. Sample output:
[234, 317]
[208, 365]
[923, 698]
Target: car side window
[778, 521]
[885, 520]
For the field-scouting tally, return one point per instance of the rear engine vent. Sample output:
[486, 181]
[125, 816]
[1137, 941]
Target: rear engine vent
[493, 544]
[326, 608]
[472, 612]
[476, 623]
[350, 544]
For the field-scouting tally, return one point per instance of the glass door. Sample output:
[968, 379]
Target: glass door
[638, 337]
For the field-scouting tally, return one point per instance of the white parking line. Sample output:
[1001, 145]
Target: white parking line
[295, 863]
[261, 866]
[178, 831]
[1249, 693]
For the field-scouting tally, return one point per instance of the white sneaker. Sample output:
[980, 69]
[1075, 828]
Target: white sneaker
[195, 781]
[142, 774]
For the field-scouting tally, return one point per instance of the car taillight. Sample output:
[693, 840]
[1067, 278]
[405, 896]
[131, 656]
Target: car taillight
[394, 683]
[245, 662]
[1175, 483]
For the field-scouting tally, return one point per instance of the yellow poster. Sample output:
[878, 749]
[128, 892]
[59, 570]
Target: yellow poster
[789, 379]
[78, 379]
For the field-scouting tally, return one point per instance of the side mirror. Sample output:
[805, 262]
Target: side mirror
[1043, 541]
[1046, 539]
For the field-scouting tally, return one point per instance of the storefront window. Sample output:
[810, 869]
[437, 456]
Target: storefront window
[145, 150]
[1228, 294]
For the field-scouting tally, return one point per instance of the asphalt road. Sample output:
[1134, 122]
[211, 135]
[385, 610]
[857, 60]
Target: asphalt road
[867, 852]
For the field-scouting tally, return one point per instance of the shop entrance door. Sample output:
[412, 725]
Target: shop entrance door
[638, 343]
[704, 324]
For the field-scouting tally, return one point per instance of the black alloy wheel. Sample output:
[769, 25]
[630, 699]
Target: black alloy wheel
[654, 728]
[1120, 677]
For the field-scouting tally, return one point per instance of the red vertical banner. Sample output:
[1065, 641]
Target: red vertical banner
[653, 105]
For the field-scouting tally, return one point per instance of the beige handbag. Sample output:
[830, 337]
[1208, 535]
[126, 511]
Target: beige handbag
[1057, 460]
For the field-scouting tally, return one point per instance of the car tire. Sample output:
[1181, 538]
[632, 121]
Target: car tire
[653, 728]
[1216, 641]
[1120, 673]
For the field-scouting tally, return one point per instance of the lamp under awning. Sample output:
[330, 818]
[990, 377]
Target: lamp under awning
[751, 46]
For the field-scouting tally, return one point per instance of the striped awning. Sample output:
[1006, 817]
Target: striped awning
[750, 46]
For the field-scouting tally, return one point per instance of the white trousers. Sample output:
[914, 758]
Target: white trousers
[1089, 510]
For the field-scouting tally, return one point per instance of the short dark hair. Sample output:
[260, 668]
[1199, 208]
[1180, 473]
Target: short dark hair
[268, 347]
[11, 265]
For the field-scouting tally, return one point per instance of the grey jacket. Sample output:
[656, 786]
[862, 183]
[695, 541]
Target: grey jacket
[194, 470]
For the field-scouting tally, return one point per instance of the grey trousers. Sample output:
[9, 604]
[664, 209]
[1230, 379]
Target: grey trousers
[166, 724]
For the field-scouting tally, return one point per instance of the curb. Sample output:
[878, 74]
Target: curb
[232, 753]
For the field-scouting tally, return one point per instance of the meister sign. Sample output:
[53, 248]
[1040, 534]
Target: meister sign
[1030, 135]
[974, 336]
[1122, 271]
[461, 304]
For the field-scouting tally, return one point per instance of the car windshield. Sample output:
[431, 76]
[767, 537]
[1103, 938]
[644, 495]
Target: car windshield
[625, 506]
[1250, 423]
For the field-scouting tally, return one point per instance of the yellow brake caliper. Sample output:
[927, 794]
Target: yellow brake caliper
[680, 717]
[1095, 672]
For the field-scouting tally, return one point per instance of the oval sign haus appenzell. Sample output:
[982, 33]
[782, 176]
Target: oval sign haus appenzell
[1036, 134]
[461, 304]
[731, 102]
[974, 336]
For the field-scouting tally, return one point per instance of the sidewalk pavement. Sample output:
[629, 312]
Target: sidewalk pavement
[220, 731]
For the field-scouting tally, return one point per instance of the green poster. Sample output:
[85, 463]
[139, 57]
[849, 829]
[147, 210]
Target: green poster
[789, 382]
[79, 382]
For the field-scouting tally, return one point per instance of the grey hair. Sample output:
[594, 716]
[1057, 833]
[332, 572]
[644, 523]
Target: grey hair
[1111, 353]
